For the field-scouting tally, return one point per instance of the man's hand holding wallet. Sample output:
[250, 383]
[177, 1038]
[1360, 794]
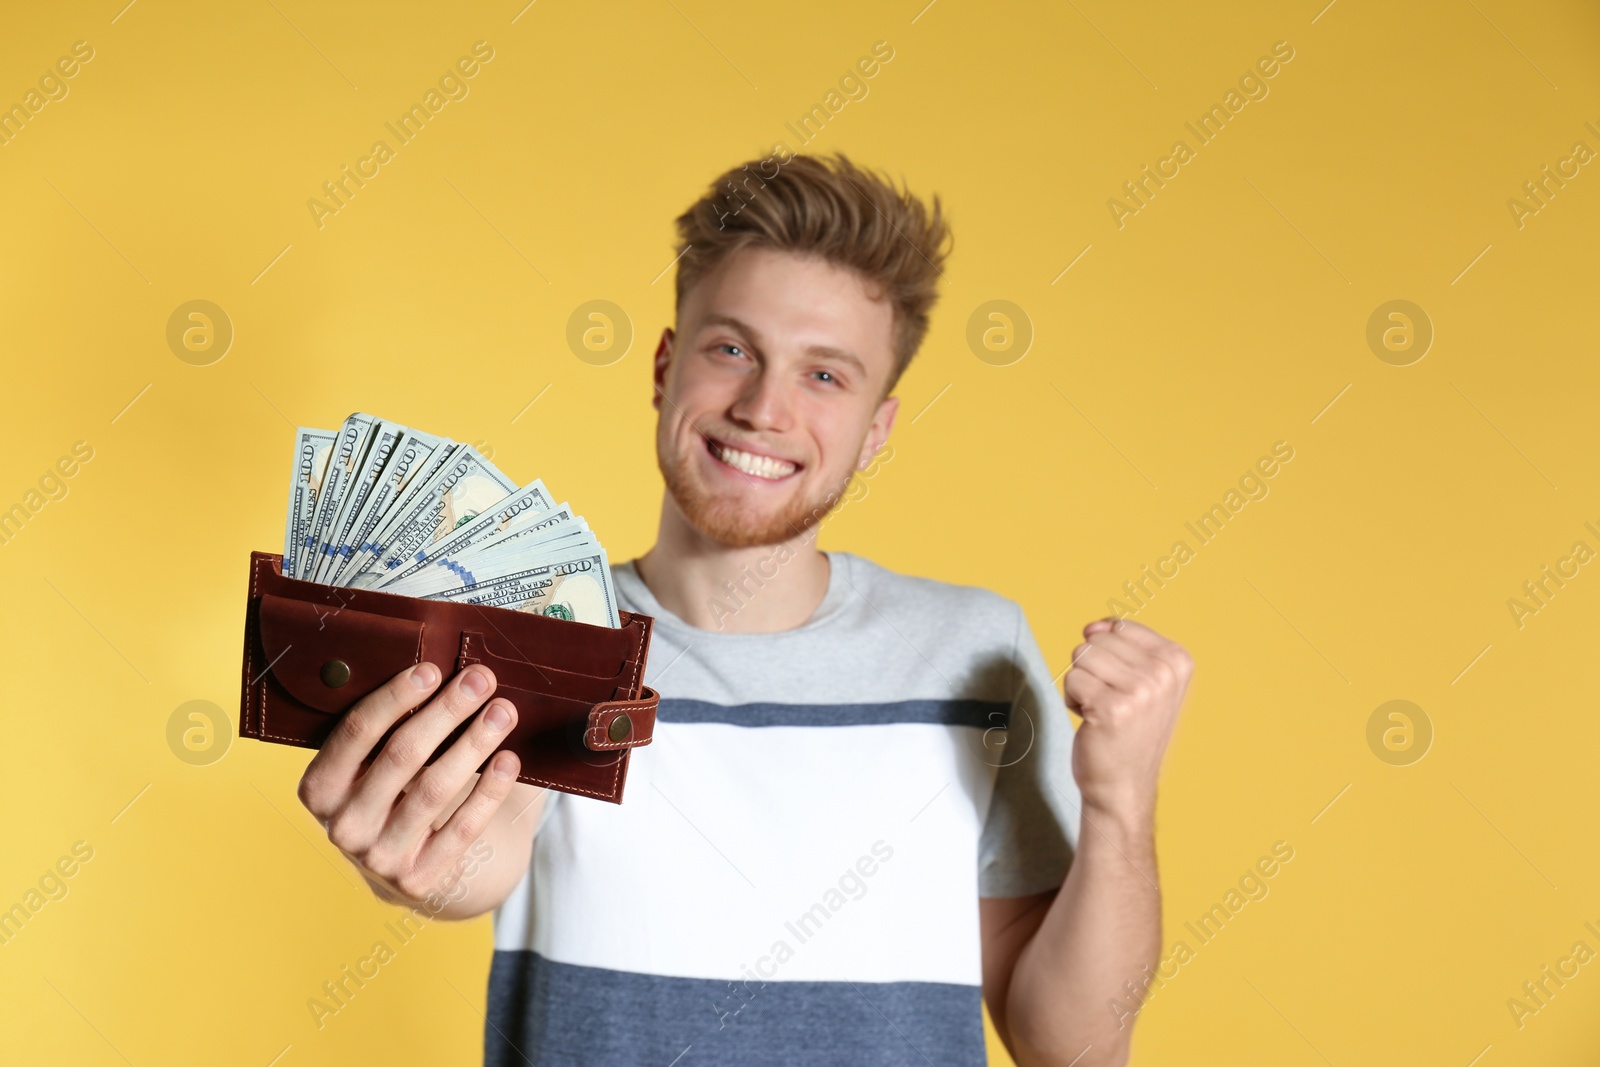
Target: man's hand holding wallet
[406, 826]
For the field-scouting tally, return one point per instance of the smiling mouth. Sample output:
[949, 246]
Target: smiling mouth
[764, 467]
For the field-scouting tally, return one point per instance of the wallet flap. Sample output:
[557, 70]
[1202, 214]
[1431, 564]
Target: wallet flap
[623, 723]
[330, 657]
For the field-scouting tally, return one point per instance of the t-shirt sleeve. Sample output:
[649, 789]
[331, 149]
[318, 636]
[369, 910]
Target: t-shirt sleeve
[1031, 832]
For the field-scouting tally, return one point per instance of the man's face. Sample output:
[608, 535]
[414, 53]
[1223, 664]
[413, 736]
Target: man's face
[771, 395]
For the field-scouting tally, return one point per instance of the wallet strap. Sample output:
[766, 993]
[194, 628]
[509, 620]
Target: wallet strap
[618, 724]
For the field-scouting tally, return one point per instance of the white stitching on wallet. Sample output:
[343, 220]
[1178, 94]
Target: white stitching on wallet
[249, 645]
[638, 658]
[261, 714]
[466, 651]
[612, 711]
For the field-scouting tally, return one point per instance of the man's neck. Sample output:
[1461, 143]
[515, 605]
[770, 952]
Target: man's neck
[765, 589]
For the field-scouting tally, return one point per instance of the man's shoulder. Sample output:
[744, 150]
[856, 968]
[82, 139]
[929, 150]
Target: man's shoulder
[951, 603]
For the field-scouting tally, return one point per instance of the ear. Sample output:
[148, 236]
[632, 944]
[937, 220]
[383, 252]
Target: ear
[878, 431]
[662, 360]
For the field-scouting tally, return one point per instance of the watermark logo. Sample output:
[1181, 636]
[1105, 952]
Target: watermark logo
[51, 886]
[1538, 591]
[850, 885]
[338, 992]
[1252, 486]
[851, 88]
[52, 485]
[599, 332]
[198, 733]
[340, 191]
[1139, 191]
[199, 333]
[52, 87]
[1538, 991]
[1008, 738]
[1399, 733]
[1537, 193]
[999, 333]
[1251, 887]
[1399, 333]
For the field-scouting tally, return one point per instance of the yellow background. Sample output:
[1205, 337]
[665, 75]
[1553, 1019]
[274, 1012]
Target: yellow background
[1226, 315]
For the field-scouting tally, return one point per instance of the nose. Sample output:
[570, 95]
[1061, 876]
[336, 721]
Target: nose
[763, 403]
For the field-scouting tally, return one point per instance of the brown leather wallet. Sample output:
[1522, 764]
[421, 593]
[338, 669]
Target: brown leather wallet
[313, 650]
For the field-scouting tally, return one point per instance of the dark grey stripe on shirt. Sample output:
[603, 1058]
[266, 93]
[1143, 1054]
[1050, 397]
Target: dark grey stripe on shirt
[548, 1014]
[980, 713]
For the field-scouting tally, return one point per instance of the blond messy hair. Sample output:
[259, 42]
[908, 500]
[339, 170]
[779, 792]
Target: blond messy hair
[830, 208]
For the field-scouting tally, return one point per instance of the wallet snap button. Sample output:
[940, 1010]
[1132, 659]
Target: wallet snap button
[620, 727]
[335, 673]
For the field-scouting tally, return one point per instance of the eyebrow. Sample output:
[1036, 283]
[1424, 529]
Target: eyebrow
[828, 351]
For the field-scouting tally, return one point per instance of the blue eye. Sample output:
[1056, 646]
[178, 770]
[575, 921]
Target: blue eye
[827, 375]
[727, 344]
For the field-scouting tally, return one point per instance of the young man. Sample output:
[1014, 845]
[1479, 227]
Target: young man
[829, 852]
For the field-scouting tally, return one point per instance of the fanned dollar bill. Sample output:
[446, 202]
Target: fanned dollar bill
[372, 546]
[311, 451]
[463, 489]
[557, 535]
[577, 588]
[379, 446]
[533, 498]
[524, 529]
[378, 505]
[409, 457]
[347, 450]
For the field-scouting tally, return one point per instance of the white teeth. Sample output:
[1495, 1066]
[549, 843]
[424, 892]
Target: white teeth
[757, 466]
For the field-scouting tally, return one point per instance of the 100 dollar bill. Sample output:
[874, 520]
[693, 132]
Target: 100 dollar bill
[311, 451]
[373, 545]
[380, 446]
[408, 459]
[531, 499]
[556, 536]
[468, 485]
[347, 450]
[577, 589]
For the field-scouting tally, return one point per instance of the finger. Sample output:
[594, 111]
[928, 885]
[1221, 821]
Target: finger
[1113, 672]
[326, 783]
[470, 819]
[466, 787]
[1083, 690]
[1110, 659]
[1115, 644]
[408, 749]
[439, 783]
[1156, 647]
[1140, 635]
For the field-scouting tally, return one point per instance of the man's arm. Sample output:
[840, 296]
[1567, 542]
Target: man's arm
[1055, 963]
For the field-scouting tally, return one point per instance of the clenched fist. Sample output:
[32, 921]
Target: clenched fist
[1127, 681]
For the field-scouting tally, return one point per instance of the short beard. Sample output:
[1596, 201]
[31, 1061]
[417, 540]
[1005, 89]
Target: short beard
[723, 521]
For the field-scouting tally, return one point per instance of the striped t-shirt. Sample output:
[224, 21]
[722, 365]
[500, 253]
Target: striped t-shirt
[793, 875]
